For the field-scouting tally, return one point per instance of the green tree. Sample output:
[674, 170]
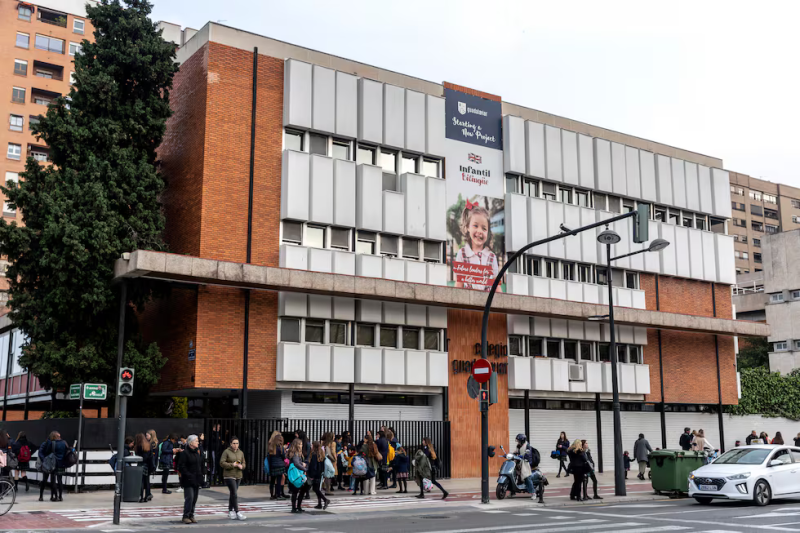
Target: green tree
[99, 198]
[753, 353]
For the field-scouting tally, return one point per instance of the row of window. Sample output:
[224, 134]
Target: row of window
[529, 346]
[756, 226]
[778, 297]
[744, 255]
[48, 16]
[571, 271]
[46, 43]
[743, 239]
[755, 195]
[756, 210]
[42, 70]
[346, 333]
[39, 153]
[783, 346]
[745, 271]
[38, 96]
[17, 122]
[359, 398]
[363, 242]
[795, 204]
[519, 403]
[7, 211]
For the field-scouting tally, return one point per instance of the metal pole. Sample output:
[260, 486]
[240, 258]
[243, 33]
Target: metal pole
[80, 432]
[246, 354]
[599, 433]
[619, 469]
[123, 302]
[661, 377]
[527, 415]
[351, 413]
[8, 372]
[123, 407]
[720, 418]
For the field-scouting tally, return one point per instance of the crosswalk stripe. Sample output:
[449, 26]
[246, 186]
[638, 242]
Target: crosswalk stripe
[495, 511]
[524, 514]
[521, 527]
[649, 529]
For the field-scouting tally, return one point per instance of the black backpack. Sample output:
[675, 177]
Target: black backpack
[535, 457]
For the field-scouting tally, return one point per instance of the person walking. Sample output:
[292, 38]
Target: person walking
[143, 449]
[277, 466]
[754, 435]
[295, 457]
[797, 440]
[374, 458]
[701, 443]
[383, 449]
[578, 465]
[22, 449]
[190, 467]
[589, 473]
[562, 446]
[435, 466]
[53, 445]
[329, 444]
[167, 449]
[316, 473]
[641, 449]
[686, 439]
[626, 461]
[233, 463]
[400, 466]
[778, 438]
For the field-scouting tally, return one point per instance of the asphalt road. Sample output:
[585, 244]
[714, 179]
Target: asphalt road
[683, 516]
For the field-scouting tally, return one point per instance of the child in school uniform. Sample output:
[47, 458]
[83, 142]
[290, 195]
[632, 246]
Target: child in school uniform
[400, 466]
[477, 233]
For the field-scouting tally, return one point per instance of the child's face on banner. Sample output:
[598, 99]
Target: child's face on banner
[478, 231]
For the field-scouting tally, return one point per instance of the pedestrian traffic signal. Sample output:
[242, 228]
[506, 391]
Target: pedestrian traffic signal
[484, 399]
[641, 223]
[125, 385]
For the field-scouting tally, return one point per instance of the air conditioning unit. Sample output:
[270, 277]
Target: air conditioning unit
[576, 373]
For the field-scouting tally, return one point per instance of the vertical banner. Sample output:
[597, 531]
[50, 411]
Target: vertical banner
[474, 191]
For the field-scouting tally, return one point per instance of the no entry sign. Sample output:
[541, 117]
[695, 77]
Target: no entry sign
[481, 370]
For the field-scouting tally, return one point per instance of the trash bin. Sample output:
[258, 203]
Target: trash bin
[132, 482]
[670, 469]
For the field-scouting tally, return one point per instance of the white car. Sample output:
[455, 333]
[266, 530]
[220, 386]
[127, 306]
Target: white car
[758, 473]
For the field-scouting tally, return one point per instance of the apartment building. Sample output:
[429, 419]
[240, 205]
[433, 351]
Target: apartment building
[782, 299]
[759, 208]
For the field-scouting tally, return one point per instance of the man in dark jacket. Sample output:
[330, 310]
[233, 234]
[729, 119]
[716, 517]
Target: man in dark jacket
[641, 450]
[686, 439]
[167, 448]
[190, 466]
[751, 436]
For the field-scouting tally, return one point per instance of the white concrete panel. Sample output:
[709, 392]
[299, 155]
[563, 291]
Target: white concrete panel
[435, 206]
[709, 256]
[437, 317]
[318, 363]
[434, 125]
[642, 379]
[291, 256]
[415, 121]
[652, 261]
[577, 386]
[681, 245]
[627, 378]
[603, 292]
[517, 284]
[369, 365]
[297, 94]
[664, 179]
[534, 150]
[292, 304]
[558, 289]
[541, 374]
[537, 224]
[591, 293]
[344, 308]
[704, 184]
[586, 161]
[668, 254]
[558, 328]
[623, 297]
[637, 299]
[321, 190]
[394, 367]
[647, 171]
[696, 253]
[415, 208]
[394, 212]
[632, 173]
[555, 217]
[560, 371]
[541, 326]
[416, 272]
[394, 269]
[539, 287]
[637, 261]
[437, 274]
[344, 263]
[437, 369]
[575, 329]
[721, 192]
[513, 144]
[591, 330]
[323, 99]
[593, 374]
[346, 105]
[369, 198]
[726, 270]
[588, 238]
[619, 181]
[291, 362]
[606, 373]
[294, 185]
[574, 291]
[623, 227]
[572, 244]
[394, 116]
[369, 311]
[370, 110]
[519, 373]
[602, 165]
[552, 144]
[416, 368]
[393, 313]
[678, 183]
[640, 336]
[343, 364]
[416, 315]
[625, 334]
[516, 224]
[518, 324]
[692, 186]
[369, 266]
[320, 260]
[569, 157]
[344, 193]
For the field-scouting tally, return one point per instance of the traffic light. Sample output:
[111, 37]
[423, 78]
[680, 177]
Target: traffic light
[484, 400]
[641, 223]
[493, 388]
[125, 385]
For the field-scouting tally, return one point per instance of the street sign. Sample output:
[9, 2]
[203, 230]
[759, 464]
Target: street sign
[75, 391]
[473, 388]
[95, 391]
[481, 370]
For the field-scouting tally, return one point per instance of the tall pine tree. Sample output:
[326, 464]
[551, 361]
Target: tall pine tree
[98, 198]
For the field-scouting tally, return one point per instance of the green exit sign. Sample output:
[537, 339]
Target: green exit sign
[75, 391]
[91, 391]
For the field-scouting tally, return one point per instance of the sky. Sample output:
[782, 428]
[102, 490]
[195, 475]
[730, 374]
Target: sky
[716, 77]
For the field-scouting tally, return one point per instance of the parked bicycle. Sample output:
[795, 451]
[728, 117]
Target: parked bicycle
[7, 495]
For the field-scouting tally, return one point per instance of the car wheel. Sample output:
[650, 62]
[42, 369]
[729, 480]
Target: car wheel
[762, 494]
[703, 501]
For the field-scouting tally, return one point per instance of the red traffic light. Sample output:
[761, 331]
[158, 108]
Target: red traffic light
[484, 395]
[126, 375]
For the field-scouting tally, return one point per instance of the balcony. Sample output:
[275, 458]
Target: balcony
[553, 375]
[55, 18]
[43, 97]
[48, 71]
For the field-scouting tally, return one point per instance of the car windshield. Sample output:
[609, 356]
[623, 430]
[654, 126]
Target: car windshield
[752, 456]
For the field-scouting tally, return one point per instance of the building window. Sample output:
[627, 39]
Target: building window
[39, 153]
[566, 195]
[603, 354]
[755, 195]
[55, 18]
[582, 198]
[614, 204]
[14, 151]
[388, 337]
[599, 202]
[74, 48]
[365, 155]
[72, 78]
[534, 266]
[314, 237]
[660, 214]
[515, 345]
[432, 251]
[409, 163]
[632, 280]
[431, 167]
[586, 351]
[388, 163]
[389, 245]
[739, 222]
[411, 248]
[315, 331]
[290, 330]
[602, 276]
[757, 226]
[337, 333]
[512, 182]
[78, 26]
[795, 294]
[717, 225]
[770, 199]
[796, 219]
[340, 238]
[553, 348]
[674, 216]
[365, 335]
[317, 144]
[50, 44]
[549, 191]
[41, 99]
[571, 350]
[771, 229]
[688, 221]
[411, 338]
[293, 140]
[341, 150]
[12, 176]
[551, 268]
[756, 210]
[431, 339]
[795, 203]
[781, 346]
[24, 13]
[770, 213]
[568, 270]
[365, 243]
[757, 257]
[737, 206]
[20, 67]
[776, 298]
[15, 122]
[584, 273]
[23, 40]
[756, 242]
[797, 345]
[535, 347]
[292, 232]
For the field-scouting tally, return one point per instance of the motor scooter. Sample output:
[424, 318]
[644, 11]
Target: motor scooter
[509, 481]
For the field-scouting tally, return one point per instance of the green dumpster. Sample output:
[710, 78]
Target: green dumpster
[670, 469]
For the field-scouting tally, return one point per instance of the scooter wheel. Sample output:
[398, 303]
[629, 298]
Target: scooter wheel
[500, 491]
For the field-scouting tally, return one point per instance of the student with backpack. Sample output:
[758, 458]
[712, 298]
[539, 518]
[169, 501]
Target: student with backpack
[400, 464]
[297, 475]
[277, 466]
[165, 451]
[360, 470]
[316, 473]
[22, 449]
[51, 462]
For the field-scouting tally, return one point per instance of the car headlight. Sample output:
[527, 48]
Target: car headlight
[744, 475]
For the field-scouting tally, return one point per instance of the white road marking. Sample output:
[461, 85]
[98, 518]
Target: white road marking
[649, 529]
[524, 514]
[640, 505]
[490, 512]
[300, 528]
[537, 526]
[772, 515]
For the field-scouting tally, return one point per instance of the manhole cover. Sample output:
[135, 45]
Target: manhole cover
[433, 517]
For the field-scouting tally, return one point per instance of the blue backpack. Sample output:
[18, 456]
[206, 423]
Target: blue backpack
[296, 476]
[330, 471]
[359, 466]
[266, 465]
